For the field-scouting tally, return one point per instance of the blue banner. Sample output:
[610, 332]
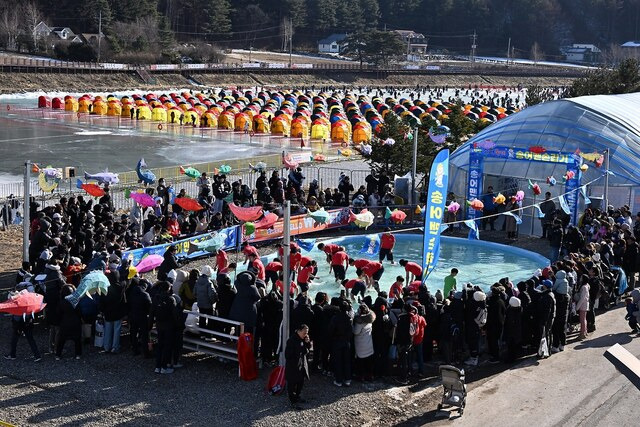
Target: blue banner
[474, 180]
[436, 199]
[371, 245]
[306, 244]
[187, 248]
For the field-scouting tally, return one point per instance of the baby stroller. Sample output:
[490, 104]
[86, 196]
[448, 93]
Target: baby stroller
[455, 390]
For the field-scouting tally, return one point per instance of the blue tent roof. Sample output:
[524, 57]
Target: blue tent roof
[589, 124]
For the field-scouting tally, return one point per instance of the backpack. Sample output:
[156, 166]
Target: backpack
[481, 318]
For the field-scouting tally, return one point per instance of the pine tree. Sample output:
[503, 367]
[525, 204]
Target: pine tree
[217, 17]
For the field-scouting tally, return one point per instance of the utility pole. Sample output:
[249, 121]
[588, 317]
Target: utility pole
[286, 226]
[414, 167]
[509, 51]
[99, 34]
[290, 39]
[26, 214]
[474, 39]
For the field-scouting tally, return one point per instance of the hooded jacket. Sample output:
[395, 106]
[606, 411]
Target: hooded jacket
[362, 330]
[54, 281]
[561, 285]
[244, 307]
[205, 292]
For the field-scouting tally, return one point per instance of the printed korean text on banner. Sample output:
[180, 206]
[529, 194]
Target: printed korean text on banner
[371, 245]
[436, 199]
[186, 248]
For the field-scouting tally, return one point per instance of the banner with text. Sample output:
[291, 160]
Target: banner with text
[436, 198]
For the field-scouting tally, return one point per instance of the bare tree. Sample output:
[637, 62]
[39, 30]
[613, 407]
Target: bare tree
[31, 17]
[10, 27]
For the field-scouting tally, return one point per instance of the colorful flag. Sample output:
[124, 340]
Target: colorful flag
[474, 233]
[371, 245]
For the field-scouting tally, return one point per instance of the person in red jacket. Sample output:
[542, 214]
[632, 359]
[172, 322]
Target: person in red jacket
[173, 226]
[329, 249]
[387, 243]
[273, 270]
[222, 260]
[414, 271]
[248, 250]
[397, 288]
[356, 286]
[339, 265]
[418, 337]
[305, 276]
[359, 264]
[373, 272]
[257, 267]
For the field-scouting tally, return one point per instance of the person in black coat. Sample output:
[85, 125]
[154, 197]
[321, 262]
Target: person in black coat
[169, 263]
[320, 359]
[296, 365]
[475, 308]
[270, 315]
[70, 324]
[163, 312]
[495, 321]
[513, 329]
[53, 283]
[226, 295]
[302, 313]
[527, 314]
[243, 308]
[139, 309]
[114, 309]
[340, 333]
[328, 313]
[544, 315]
[380, 334]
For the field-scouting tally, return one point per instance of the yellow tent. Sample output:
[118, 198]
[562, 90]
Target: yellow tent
[159, 114]
[209, 120]
[340, 132]
[225, 120]
[261, 124]
[114, 109]
[191, 118]
[143, 113]
[99, 108]
[126, 110]
[299, 129]
[280, 126]
[173, 115]
[361, 134]
[241, 120]
[71, 104]
[320, 131]
[84, 105]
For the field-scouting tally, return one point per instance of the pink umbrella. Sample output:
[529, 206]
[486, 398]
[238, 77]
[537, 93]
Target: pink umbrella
[267, 222]
[246, 214]
[143, 199]
[148, 263]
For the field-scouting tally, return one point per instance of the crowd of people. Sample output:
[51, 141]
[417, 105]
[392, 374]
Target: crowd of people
[372, 329]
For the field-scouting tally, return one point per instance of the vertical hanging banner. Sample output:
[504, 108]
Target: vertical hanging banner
[474, 181]
[436, 198]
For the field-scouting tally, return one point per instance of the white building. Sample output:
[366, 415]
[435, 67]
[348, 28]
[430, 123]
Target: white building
[581, 52]
[332, 44]
[416, 43]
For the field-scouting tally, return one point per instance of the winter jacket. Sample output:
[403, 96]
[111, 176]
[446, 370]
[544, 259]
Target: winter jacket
[302, 314]
[53, 282]
[546, 309]
[403, 328]
[340, 329]
[296, 365]
[513, 325]
[169, 263]
[69, 318]
[362, 338]
[164, 312]
[113, 304]
[582, 303]
[226, 295]
[139, 301]
[496, 311]
[205, 292]
[561, 284]
[244, 308]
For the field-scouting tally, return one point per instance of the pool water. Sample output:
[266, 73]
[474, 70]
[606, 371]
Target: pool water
[481, 263]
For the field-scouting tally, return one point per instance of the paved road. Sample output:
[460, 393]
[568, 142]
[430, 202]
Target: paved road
[576, 387]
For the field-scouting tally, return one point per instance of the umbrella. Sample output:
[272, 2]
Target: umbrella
[94, 282]
[143, 199]
[150, 262]
[188, 204]
[23, 303]
[267, 221]
[320, 216]
[246, 214]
